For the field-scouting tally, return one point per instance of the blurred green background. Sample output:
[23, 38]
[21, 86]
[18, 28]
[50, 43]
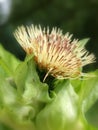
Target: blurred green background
[79, 17]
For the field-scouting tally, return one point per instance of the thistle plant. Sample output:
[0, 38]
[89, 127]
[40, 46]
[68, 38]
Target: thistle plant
[49, 89]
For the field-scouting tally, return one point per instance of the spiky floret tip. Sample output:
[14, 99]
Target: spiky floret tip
[54, 51]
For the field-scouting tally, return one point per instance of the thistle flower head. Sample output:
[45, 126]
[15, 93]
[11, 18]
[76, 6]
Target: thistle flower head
[55, 52]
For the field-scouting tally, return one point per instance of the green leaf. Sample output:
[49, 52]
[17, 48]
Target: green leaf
[34, 88]
[25, 70]
[31, 90]
[7, 93]
[76, 83]
[7, 118]
[83, 42]
[20, 75]
[92, 116]
[26, 102]
[62, 112]
[8, 62]
[89, 92]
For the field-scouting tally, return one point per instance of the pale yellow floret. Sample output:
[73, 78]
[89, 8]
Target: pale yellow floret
[55, 52]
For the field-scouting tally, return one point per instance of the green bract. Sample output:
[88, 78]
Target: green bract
[26, 103]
